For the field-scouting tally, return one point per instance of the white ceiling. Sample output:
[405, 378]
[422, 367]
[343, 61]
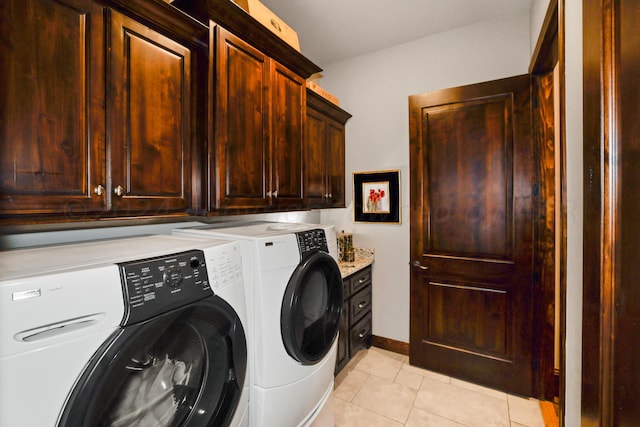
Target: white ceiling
[331, 30]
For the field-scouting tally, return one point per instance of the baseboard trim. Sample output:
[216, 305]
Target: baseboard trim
[400, 347]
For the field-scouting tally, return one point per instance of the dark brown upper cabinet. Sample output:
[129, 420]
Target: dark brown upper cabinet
[257, 112]
[98, 108]
[324, 153]
[257, 129]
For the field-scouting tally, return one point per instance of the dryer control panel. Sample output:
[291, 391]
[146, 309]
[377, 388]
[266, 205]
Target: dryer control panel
[312, 241]
[154, 286]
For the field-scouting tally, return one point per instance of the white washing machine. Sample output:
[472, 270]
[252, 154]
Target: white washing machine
[294, 294]
[141, 331]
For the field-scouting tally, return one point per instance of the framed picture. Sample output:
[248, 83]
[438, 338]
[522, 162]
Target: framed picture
[376, 196]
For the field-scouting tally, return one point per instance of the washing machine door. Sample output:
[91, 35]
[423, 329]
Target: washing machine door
[311, 307]
[183, 368]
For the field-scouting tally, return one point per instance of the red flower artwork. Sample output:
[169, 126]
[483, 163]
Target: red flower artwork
[373, 201]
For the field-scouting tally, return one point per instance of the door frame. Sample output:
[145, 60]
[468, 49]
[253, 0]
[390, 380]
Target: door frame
[548, 52]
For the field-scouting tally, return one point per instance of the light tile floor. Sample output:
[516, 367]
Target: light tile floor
[380, 388]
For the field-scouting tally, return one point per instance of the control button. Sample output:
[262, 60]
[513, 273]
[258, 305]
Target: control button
[172, 276]
[195, 263]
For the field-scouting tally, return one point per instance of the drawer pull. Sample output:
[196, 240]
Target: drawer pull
[362, 334]
[362, 304]
[362, 281]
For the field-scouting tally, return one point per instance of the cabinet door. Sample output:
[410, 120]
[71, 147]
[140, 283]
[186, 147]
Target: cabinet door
[288, 104]
[149, 119]
[315, 171]
[51, 107]
[241, 134]
[335, 134]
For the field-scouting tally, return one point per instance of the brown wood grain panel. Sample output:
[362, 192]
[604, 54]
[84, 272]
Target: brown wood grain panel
[315, 151]
[242, 124]
[469, 178]
[324, 153]
[48, 49]
[156, 119]
[335, 162]
[468, 316]
[149, 119]
[287, 115]
[472, 175]
[544, 131]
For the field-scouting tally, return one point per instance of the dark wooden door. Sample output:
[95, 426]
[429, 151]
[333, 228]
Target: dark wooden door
[51, 106]
[241, 134]
[287, 135]
[149, 86]
[472, 177]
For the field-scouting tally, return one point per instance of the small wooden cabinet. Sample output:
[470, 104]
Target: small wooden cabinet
[257, 132]
[324, 153]
[355, 323]
[98, 108]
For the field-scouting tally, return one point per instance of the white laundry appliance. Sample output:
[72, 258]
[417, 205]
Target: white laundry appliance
[140, 331]
[294, 294]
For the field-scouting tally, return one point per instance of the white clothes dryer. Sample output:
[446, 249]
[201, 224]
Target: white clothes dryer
[294, 294]
[144, 331]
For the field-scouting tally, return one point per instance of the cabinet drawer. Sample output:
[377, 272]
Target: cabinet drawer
[360, 279]
[359, 304]
[360, 335]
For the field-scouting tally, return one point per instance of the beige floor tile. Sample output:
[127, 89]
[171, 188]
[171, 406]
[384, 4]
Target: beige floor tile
[420, 418]
[350, 385]
[409, 379]
[380, 388]
[392, 355]
[347, 414]
[480, 389]
[386, 398]
[525, 411]
[426, 373]
[377, 363]
[464, 406]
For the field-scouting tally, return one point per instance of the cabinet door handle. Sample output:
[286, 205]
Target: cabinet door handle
[362, 304]
[268, 193]
[99, 190]
[118, 191]
[275, 194]
[416, 263]
[362, 334]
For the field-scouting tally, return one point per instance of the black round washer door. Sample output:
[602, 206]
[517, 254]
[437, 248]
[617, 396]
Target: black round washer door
[183, 368]
[311, 307]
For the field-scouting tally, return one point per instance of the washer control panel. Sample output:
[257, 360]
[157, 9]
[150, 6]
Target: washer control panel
[154, 286]
[312, 241]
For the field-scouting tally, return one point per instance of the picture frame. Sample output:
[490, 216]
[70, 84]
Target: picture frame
[376, 196]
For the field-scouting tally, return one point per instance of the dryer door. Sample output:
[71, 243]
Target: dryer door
[183, 368]
[311, 308]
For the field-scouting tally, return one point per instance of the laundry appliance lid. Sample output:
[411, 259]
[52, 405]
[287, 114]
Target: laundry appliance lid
[57, 258]
[254, 229]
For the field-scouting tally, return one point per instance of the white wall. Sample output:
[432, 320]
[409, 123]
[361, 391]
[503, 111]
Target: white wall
[574, 142]
[375, 89]
[538, 11]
